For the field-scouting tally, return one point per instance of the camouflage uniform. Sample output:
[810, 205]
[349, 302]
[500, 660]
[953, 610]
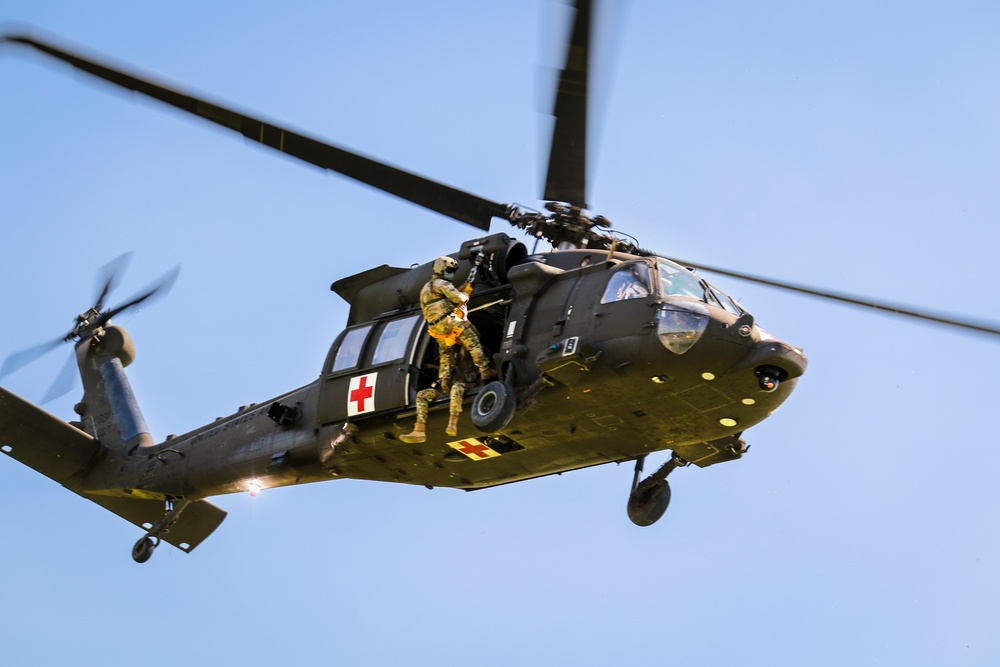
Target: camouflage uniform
[444, 308]
[465, 377]
[442, 304]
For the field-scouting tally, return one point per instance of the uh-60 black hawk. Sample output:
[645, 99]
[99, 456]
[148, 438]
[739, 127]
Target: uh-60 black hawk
[605, 352]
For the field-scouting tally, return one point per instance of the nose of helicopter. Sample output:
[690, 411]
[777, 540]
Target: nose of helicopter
[688, 330]
[727, 368]
[774, 362]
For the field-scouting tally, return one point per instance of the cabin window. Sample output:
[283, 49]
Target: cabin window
[392, 343]
[349, 352]
[675, 281]
[630, 281]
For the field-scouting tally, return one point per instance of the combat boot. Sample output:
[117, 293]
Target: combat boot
[415, 436]
[452, 428]
[487, 373]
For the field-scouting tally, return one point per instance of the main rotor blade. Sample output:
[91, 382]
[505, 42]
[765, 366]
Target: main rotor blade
[444, 199]
[567, 176]
[865, 302]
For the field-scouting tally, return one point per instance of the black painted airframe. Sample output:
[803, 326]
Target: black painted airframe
[679, 365]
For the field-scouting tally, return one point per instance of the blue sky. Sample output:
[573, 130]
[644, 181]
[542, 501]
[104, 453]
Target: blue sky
[851, 145]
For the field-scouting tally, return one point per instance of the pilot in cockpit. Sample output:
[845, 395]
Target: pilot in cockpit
[630, 281]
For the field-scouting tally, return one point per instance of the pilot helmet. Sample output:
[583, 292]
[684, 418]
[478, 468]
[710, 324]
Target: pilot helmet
[445, 266]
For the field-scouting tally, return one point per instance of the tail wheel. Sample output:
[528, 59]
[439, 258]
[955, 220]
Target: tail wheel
[494, 406]
[143, 549]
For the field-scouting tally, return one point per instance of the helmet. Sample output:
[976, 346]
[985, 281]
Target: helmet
[445, 266]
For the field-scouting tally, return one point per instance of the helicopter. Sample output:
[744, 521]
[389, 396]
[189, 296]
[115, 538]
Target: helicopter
[559, 323]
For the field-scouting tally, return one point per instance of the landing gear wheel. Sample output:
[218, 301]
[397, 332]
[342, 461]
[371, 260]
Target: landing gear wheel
[143, 549]
[494, 406]
[646, 505]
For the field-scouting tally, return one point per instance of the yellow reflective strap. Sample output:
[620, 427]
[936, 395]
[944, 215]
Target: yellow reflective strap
[449, 338]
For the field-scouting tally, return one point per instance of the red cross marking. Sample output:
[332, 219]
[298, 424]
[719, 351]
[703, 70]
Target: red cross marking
[361, 394]
[470, 449]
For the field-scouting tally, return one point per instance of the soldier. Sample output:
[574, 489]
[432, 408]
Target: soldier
[462, 376]
[444, 307]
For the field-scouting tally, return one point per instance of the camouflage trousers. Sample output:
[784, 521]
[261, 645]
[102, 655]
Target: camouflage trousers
[425, 396]
[469, 339]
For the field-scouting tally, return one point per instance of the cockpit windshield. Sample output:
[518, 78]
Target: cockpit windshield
[675, 281]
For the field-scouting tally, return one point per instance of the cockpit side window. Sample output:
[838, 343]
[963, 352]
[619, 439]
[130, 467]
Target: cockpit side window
[675, 281]
[630, 281]
[349, 351]
[726, 302]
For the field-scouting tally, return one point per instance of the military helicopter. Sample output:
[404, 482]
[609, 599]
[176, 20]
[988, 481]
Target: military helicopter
[681, 366]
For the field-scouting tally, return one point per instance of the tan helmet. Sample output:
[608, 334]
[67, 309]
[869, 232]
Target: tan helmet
[445, 266]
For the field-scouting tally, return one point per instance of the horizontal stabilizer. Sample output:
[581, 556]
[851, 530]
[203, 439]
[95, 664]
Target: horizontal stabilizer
[66, 454]
[194, 524]
[46, 443]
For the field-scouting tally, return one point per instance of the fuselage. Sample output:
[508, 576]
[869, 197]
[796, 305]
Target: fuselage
[612, 357]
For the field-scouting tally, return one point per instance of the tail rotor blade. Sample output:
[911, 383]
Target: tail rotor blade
[20, 359]
[158, 289]
[64, 382]
[88, 322]
[109, 276]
